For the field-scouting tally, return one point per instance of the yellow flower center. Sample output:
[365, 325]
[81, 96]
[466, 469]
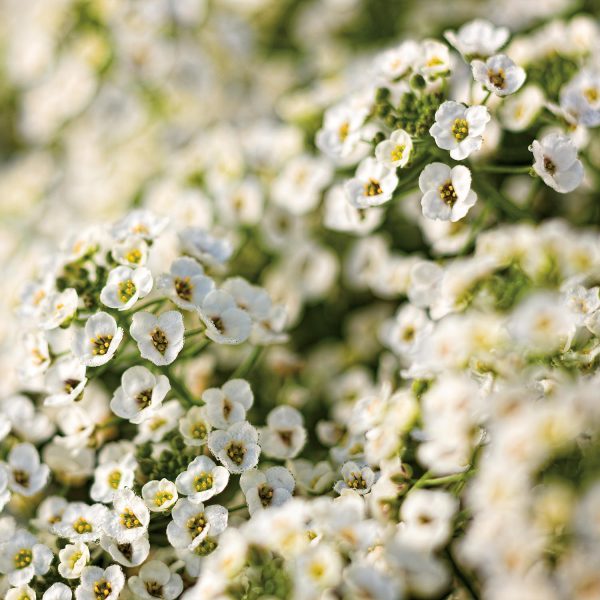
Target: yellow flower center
[23, 558]
[162, 497]
[102, 589]
[343, 131]
[129, 519]
[159, 340]
[203, 482]
[183, 288]
[460, 129]
[398, 152]
[101, 344]
[372, 188]
[448, 194]
[497, 78]
[114, 479]
[236, 452]
[127, 290]
[82, 526]
[196, 524]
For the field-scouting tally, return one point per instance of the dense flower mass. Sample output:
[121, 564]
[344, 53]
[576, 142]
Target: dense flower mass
[302, 306]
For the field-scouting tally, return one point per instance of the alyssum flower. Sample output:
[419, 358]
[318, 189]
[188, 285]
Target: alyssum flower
[373, 184]
[96, 343]
[185, 284]
[395, 151]
[125, 286]
[237, 447]
[447, 193]
[192, 522]
[478, 39]
[202, 479]
[499, 74]
[160, 339]
[556, 162]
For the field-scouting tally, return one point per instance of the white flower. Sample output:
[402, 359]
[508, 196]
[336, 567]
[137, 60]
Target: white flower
[225, 322]
[23, 592]
[140, 223]
[192, 522]
[129, 518]
[228, 404]
[163, 420]
[209, 249]
[155, 580]
[128, 554]
[368, 582]
[404, 332]
[499, 74]
[58, 308]
[112, 474]
[580, 98]
[159, 495]
[340, 215]
[139, 394]
[272, 487]
[72, 560]
[316, 569]
[254, 299]
[58, 591]
[372, 185]
[64, 382]
[434, 59]
[478, 38]
[447, 193]
[186, 284]
[22, 558]
[194, 427]
[237, 447]
[459, 128]
[37, 356]
[556, 162]
[49, 512]
[131, 252]
[396, 151]
[427, 516]
[397, 61]
[542, 323]
[81, 522]
[298, 186]
[125, 286]
[519, 111]
[96, 343]
[100, 583]
[202, 479]
[284, 436]
[26, 476]
[356, 478]
[160, 339]
[340, 136]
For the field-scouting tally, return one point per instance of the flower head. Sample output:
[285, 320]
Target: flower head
[556, 162]
[499, 74]
[98, 341]
[160, 339]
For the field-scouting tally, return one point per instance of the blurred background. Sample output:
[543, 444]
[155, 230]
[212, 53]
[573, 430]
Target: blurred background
[110, 104]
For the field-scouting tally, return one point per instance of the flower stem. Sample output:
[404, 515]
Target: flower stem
[235, 508]
[250, 362]
[191, 332]
[516, 169]
[486, 98]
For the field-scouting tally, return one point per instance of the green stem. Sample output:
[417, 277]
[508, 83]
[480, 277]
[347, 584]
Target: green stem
[193, 350]
[485, 100]
[191, 332]
[492, 196]
[146, 305]
[421, 481]
[443, 480]
[235, 508]
[516, 169]
[250, 362]
[182, 391]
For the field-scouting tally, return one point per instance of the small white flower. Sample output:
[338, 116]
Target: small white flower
[36, 357]
[317, 569]
[580, 98]
[155, 580]
[194, 427]
[272, 487]
[160, 339]
[96, 343]
[129, 518]
[81, 522]
[72, 560]
[396, 151]
[163, 420]
[125, 286]
[459, 128]
[22, 558]
[519, 111]
[498, 74]
[58, 591]
[225, 322]
[202, 479]
[209, 249]
[372, 185]
[478, 38]
[49, 512]
[186, 284]
[398, 61]
[131, 252]
[582, 302]
[139, 223]
[159, 495]
[556, 162]
[285, 435]
[340, 135]
[139, 394]
[64, 382]
[26, 476]
[22, 592]
[254, 299]
[434, 59]
[112, 474]
[58, 309]
[228, 404]
[357, 478]
[427, 516]
[447, 193]
[237, 447]
[128, 554]
[404, 332]
[100, 583]
[192, 522]
[340, 215]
